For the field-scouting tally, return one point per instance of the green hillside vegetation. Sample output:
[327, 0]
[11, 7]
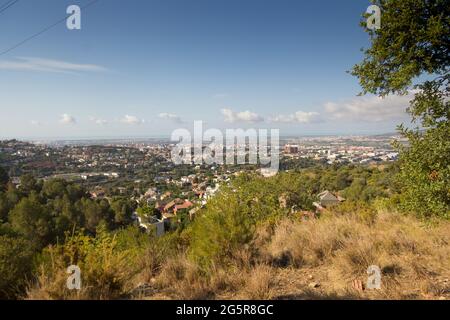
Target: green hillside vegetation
[39, 214]
[245, 245]
[246, 229]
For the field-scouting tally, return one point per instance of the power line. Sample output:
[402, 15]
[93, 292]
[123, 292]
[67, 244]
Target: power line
[3, 5]
[7, 5]
[43, 30]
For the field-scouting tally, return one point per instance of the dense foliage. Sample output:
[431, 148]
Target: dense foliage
[412, 45]
[49, 224]
[231, 218]
[41, 213]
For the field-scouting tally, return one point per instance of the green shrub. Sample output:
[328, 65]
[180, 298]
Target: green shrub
[107, 264]
[16, 257]
[223, 227]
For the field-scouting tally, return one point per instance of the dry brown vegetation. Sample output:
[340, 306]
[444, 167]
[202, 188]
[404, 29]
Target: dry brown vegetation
[319, 259]
[293, 259]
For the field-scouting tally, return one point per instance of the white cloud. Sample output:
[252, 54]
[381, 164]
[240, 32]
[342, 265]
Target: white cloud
[67, 119]
[132, 120]
[100, 122]
[298, 117]
[47, 65]
[369, 108]
[170, 116]
[245, 116]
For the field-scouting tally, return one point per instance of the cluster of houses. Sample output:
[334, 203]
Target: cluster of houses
[166, 212]
[168, 209]
[173, 207]
[341, 153]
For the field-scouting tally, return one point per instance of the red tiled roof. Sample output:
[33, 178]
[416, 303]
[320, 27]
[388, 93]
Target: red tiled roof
[185, 205]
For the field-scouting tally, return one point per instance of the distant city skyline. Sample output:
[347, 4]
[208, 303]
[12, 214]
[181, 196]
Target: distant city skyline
[145, 68]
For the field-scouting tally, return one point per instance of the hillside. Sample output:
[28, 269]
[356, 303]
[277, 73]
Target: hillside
[249, 245]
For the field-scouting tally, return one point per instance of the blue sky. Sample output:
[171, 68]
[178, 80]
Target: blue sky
[147, 67]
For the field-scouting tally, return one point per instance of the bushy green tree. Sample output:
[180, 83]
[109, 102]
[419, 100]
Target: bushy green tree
[28, 183]
[413, 42]
[54, 188]
[4, 207]
[16, 257]
[94, 214]
[4, 178]
[123, 210]
[226, 226]
[30, 219]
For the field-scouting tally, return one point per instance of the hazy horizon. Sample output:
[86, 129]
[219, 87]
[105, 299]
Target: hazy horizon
[167, 137]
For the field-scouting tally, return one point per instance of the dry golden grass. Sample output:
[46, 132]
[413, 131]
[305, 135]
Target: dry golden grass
[414, 258]
[182, 279]
[320, 259]
[316, 259]
[260, 283]
[308, 243]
